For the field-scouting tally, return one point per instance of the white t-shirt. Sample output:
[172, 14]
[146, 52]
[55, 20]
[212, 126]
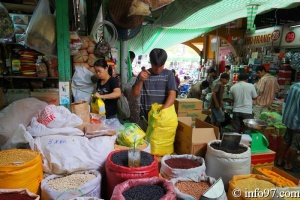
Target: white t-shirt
[242, 94]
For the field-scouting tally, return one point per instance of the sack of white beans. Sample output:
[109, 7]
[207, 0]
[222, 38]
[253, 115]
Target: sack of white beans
[81, 184]
[193, 188]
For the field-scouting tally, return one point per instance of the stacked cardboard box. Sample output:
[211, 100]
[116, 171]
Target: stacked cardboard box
[189, 107]
[192, 136]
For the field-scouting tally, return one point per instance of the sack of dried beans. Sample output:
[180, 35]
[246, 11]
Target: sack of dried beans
[117, 170]
[73, 185]
[145, 188]
[175, 166]
[192, 188]
[21, 168]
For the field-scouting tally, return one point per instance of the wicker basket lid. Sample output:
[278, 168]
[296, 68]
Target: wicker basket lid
[119, 10]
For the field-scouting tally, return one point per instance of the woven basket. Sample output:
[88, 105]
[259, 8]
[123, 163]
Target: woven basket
[119, 10]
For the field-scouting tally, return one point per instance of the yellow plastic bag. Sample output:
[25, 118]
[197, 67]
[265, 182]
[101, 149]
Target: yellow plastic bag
[131, 132]
[24, 171]
[97, 106]
[162, 125]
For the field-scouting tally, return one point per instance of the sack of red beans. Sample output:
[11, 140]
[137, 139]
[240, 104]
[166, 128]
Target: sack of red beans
[192, 188]
[17, 194]
[145, 188]
[175, 166]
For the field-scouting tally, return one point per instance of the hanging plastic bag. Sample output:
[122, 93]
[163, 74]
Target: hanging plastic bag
[123, 108]
[75, 42]
[6, 24]
[41, 32]
[162, 125]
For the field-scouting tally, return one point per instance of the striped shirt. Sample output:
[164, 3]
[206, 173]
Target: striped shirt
[156, 90]
[291, 112]
[267, 86]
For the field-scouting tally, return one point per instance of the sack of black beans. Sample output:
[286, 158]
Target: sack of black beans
[145, 188]
[118, 171]
[85, 184]
[221, 164]
[194, 188]
[175, 166]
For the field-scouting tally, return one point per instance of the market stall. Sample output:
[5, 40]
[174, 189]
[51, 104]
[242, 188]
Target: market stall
[77, 152]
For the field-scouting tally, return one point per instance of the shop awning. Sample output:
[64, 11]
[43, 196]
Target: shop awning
[162, 33]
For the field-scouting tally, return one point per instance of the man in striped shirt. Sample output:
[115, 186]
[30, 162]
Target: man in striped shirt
[267, 87]
[155, 85]
[291, 119]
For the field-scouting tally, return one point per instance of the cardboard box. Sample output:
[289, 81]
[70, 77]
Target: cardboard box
[263, 158]
[192, 113]
[51, 97]
[188, 104]
[192, 137]
[280, 172]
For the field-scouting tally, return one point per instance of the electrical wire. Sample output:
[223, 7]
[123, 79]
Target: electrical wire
[99, 26]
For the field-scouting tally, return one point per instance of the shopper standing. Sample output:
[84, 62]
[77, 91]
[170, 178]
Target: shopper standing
[155, 85]
[267, 86]
[216, 105]
[107, 88]
[242, 95]
[291, 119]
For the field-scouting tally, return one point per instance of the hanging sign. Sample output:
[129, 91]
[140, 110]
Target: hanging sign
[290, 37]
[264, 37]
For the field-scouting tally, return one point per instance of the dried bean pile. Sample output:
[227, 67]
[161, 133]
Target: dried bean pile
[15, 196]
[121, 158]
[72, 181]
[16, 157]
[240, 150]
[194, 189]
[145, 192]
[182, 163]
